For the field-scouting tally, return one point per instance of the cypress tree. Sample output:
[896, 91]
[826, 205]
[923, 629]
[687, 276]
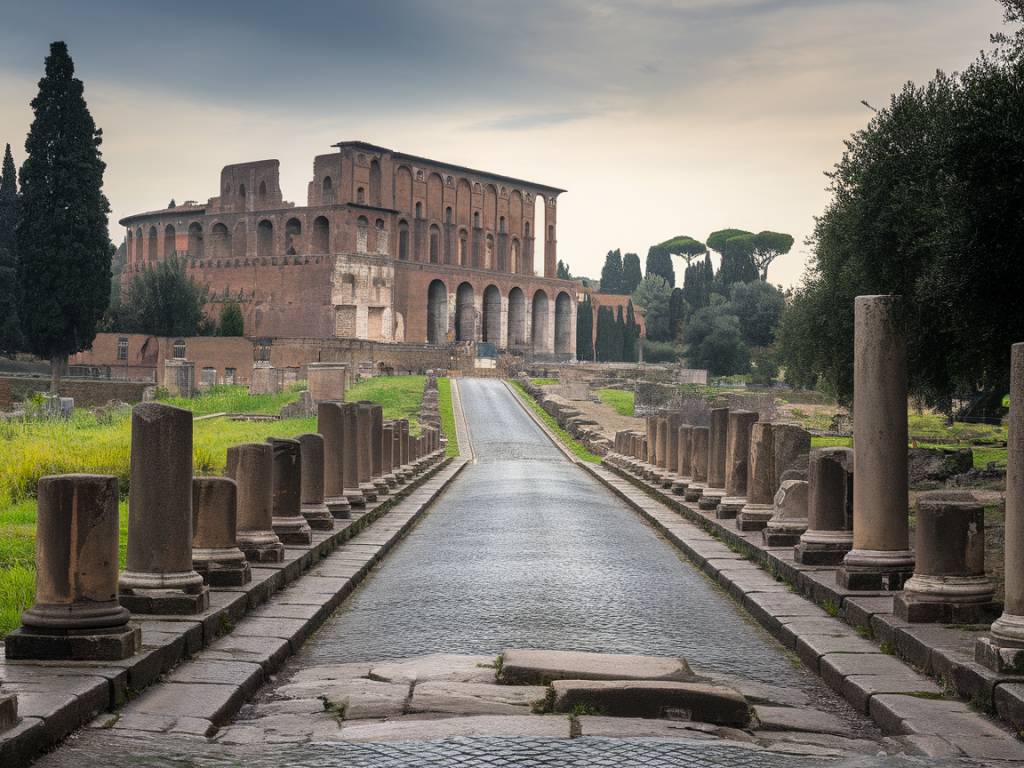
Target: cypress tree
[10, 331]
[659, 262]
[585, 330]
[64, 249]
[619, 339]
[630, 335]
[605, 334]
[611, 273]
[676, 312]
[631, 276]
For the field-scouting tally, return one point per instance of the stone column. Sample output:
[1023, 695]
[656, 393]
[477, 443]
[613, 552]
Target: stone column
[949, 582]
[215, 553]
[158, 576]
[673, 420]
[651, 459]
[714, 491]
[76, 614]
[683, 451]
[829, 534]
[760, 479]
[387, 450]
[8, 710]
[251, 466]
[314, 508]
[364, 450]
[881, 556]
[350, 453]
[828, 471]
[288, 523]
[404, 470]
[700, 439]
[790, 518]
[400, 473]
[660, 449]
[329, 424]
[376, 449]
[737, 463]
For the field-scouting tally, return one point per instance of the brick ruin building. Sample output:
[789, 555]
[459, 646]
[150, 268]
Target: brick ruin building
[389, 248]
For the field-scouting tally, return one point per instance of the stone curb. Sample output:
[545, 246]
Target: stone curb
[779, 594]
[56, 698]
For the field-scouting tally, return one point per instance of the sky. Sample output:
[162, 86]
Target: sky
[660, 117]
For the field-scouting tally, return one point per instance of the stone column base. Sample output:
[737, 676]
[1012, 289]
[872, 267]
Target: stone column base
[1005, 660]
[166, 602]
[382, 487]
[221, 574]
[355, 497]
[694, 491]
[784, 534]
[754, 517]
[668, 478]
[729, 507]
[868, 569]
[391, 480]
[339, 507]
[917, 609]
[86, 645]
[318, 516]
[8, 711]
[369, 491]
[263, 552]
[710, 497]
[292, 530]
[819, 554]
[680, 485]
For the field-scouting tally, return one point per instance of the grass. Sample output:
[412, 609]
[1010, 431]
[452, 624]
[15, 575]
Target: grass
[618, 399]
[568, 440]
[980, 455]
[32, 449]
[543, 382]
[444, 401]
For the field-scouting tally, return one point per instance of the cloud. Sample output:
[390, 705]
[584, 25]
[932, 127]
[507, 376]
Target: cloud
[526, 122]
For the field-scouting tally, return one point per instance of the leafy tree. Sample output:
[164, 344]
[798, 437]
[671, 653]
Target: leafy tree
[652, 296]
[659, 351]
[64, 247]
[10, 329]
[737, 262]
[758, 306]
[630, 335]
[611, 273]
[562, 271]
[714, 341]
[685, 247]
[716, 240]
[231, 322]
[163, 300]
[659, 262]
[585, 330]
[631, 276]
[768, 246]
[765, 367]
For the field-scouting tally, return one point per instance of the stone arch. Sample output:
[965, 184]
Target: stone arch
[435, 244]
[403, 240]
[195, 240]
[265, 239]
[516, 318]
[240, 241]
[292, 236]
[151, 244]
[327, 190]
[463, 248]
[476, 219]
[536, 249]
[501, 224]
[448, 215]
[375, 182]
[140, 246]
[220, 241]
[514, 262]
[321, 235]
[361, 195]
[362, 234]
[262, 193]
[241, 193]
[437, 313]
[419, 209]
[463, 202]
[515, 212]
[129, 244]
[492, 315]
[489, 252]
[465, 313]
[563, 324]
[490, 207]
[170, 241]
[539, 326]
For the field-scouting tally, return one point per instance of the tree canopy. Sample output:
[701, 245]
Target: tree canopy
[714, 341]
[631, 276]
[653, 297]
[562, 271]
[684, 246]
[768, 246]
[163, 300]
[231, 322]
[659, 262]
[611, 273]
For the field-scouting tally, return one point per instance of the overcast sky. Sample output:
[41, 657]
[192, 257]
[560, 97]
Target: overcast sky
[661, 117]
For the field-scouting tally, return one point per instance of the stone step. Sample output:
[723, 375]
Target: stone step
[702, 702]
[538, 667]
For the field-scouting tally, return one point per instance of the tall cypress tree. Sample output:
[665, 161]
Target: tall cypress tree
[611, 272]
[604, 343]
[631, 276]
[630, 335]
[10, 330]
[619, 339]
[64, 249]
[585, 330]
[659, 262]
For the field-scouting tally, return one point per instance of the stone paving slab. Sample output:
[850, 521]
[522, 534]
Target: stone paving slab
[412, 729]
[475, 698]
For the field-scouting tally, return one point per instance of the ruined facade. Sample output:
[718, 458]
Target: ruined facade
[389, 248]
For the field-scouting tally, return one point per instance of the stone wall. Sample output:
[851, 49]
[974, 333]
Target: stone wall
[86, 392]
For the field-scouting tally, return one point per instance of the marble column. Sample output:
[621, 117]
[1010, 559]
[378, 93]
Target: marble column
[251, 466]
[672, 421]
[364, 441]
[76, 614]
[329, 424]
[350, 453]
[881, 556]
[660, 450]
[376, 450]
[714, 491]
[699, 441]
[829, 534]
[387, 451]
[215, 553]
[158, 576]
[651, 461]
[737, 462]
[314, 506]
[684, 442]
[760, 479]
[287, 520]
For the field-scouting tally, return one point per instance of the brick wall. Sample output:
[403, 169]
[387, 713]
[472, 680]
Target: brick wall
[86, 392]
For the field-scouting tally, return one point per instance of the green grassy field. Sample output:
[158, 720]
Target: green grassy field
[619, 399]
[32, 449]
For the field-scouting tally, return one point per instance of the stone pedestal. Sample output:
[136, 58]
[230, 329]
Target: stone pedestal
[699, 441]
[287, 520]
[326, 381]
[760, 505]
[251, 466]
[829, 534]
[737, 460]
[714, 491]
[180, 377]
[376, 450]
[1005, 649]
[215, 553]
[76, 614]
[684, 436]
[949, 582]
[329, 424]
[881, 556]
[158, 576]
[350, 453]
[8, 711]
[314, 508]
[790, 518]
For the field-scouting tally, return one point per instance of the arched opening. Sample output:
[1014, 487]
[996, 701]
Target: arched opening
[292, 236]
[327, 190]
[489, 252]
[265, 239]
[362, 234]
[539, 327]
[435, 244]
[321, 235]
[241, 193]
[492, 315]
[403, 240]
[526, 229]
[151, 244]
[140, 246]
[437, 313]
[501, 224]
[476, 219]
[220, 242]
[240, 241]
[374, 182]
[465, 313]
[448, 215]
[463, 248]
[170, 243]
[262, 190]
[516, 318]
[129, 243]
[563, 324]
[361, 195]
[195, 240]
[419, 209]
[513, 260]
[536, 252]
